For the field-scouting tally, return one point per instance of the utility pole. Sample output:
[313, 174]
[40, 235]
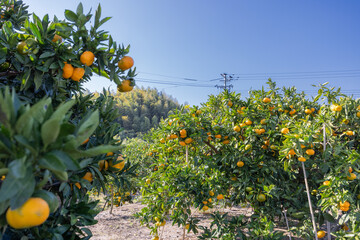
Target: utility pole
[227, 78]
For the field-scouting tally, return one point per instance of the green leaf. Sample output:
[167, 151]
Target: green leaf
[51, 162]
[17, 168]
[50, 131]
[63, 109]
[70, 163]
[97, 17]
[23, 141]
[79, 9]
[61, 175]
[104, 20]
[36, 32]
[92, 152]
[17, 190]
[47, 54]
[87, 126]
[71, 16]
[328, 217]
[35, 111]
[38, 79]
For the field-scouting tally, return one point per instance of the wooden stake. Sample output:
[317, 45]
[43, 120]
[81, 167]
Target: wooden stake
[187, 154]
[309, 200]
[328, 229]
[287, 223]
[112, 198]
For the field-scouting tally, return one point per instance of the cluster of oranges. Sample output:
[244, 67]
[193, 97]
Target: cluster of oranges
[87, 58]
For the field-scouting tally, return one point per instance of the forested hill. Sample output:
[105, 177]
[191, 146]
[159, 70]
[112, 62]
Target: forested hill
[142, 109]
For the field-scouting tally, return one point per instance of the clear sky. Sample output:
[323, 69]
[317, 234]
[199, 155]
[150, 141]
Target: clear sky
[296, 43]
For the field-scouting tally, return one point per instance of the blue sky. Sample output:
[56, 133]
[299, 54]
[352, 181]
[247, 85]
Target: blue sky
[296, 43]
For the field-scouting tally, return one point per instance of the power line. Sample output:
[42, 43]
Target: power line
[227, 78]
[311, 72]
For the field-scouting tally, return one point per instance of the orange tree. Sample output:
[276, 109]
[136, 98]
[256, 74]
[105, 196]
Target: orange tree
[254, 152]
[53, 137]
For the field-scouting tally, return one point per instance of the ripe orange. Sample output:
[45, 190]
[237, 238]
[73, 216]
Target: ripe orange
[162, 140]
[173, 136]
[349, 133]
[205, 208]
[88, 176]
[263, 122]
[358, 114]
[125, 63]
[310, 152]
[237, 129]
[205, 202]
[103, 165]
[119, 165]
[261, 197]
[87, 58]
[248, 122]
[326, 183]
[217, 136]
[302, 159]
[109, 154]
[57, 38]
[292, 152]
[188, 140]
[321, 234]
[33, 212]
[211, 193]
[350, 170]
[243, 125]
[240, 163]
[183, 132]
[227, 141]
[266, 100]
[78, 73]
[78, 185]
[335, 108]
[126, 86]
[68, 70]
[148, 181]
[230, 103]
[220, 197]
[187, 226]
[182, 143]
[285, 130]
[308, 111]
[351, 177]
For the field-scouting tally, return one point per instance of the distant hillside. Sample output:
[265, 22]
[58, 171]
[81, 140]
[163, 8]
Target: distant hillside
[142, 109]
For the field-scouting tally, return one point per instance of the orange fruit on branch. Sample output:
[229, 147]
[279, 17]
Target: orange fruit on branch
[57, 38]
[321, 234]
[310, 152]
[285, 130]
[78, 73]
[266, 100]
[125, 63]
[88, 176]
[33, 212]
[125, 86]
[240, 163]
[87, 58]
[68, 70]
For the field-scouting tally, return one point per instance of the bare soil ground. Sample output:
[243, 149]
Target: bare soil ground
[122, 224]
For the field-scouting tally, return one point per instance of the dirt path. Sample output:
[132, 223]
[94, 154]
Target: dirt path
[123, 225]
